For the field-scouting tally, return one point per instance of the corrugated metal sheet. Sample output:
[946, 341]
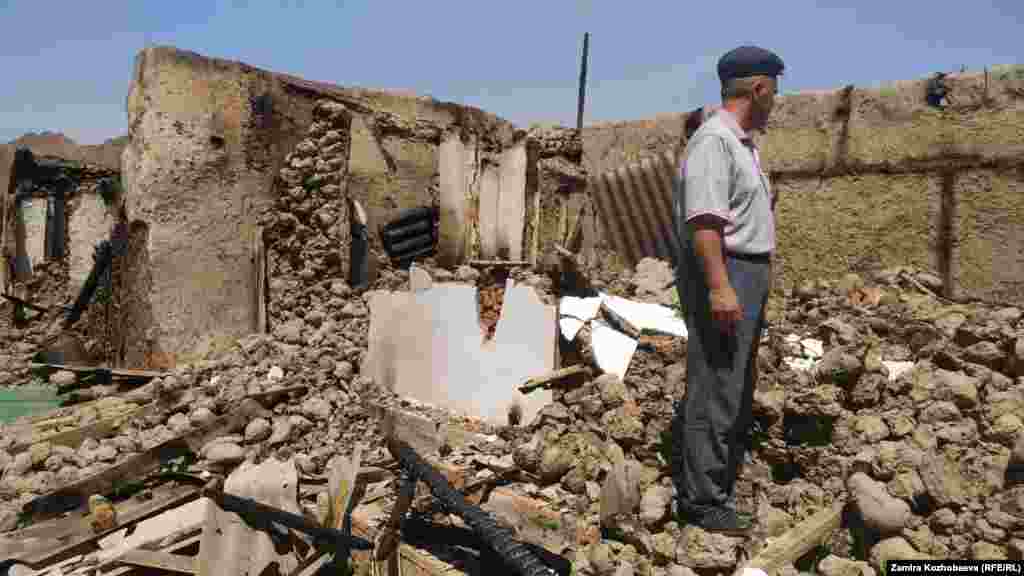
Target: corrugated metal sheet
[634, 204]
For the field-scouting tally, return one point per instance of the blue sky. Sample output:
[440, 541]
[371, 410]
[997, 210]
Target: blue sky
[66, 65]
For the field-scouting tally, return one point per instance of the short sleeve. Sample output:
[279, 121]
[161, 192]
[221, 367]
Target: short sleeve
[706, 189]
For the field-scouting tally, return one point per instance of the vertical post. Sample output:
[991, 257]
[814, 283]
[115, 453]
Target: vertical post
[947, 232]
[22, 263]
[583, 82]
[986, 99]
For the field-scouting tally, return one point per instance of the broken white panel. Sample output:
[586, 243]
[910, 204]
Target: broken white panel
[419, 279]
[646, 316]
[490, 192]
[897, 368]
[613, 350]
[428, 346]
[33, 212]
[574, 312]
[512, 202]
[813, 348]
[807, 347]
[570, 327]
[801, 364]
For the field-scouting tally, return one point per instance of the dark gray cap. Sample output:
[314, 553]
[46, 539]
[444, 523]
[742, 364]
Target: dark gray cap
[748, 61]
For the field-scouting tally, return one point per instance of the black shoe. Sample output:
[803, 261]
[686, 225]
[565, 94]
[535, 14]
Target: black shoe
[725, 521]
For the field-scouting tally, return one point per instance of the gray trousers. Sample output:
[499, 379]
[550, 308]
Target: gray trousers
[713, 420]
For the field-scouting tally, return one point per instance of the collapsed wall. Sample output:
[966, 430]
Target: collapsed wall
[224, 157]
[209, 140]
[56, 210]
[874, 178]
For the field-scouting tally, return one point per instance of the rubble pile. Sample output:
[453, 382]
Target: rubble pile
[876, 391]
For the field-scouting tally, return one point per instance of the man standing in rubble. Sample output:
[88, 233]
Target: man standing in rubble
[727, 232]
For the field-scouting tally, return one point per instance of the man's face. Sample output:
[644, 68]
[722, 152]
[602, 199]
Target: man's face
[762, 101]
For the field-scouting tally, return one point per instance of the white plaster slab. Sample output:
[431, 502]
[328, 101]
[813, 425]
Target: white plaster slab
[490, 194]
[512, 202]
[428, 346]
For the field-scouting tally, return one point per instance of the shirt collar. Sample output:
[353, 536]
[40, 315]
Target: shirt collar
[729, 119]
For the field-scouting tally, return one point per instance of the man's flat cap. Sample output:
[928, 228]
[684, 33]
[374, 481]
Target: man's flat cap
[748, 61]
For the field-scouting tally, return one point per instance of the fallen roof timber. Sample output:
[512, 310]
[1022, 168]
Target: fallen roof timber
[166, 561]
[799, 540]
[115, 372]
[73, 438]
[61, 538]
[138, 467]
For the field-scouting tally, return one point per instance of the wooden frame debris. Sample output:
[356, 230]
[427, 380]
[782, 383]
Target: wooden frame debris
[166, 561]
[105, 482]
[71, 535]
[498, 263]
[74, 438]
[93, 370]
[551, 378]
[799, 540]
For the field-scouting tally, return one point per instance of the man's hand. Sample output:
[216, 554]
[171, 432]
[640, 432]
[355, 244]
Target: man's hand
[725, 308]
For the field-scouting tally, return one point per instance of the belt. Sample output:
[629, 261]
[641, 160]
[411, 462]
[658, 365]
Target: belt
[760, 257]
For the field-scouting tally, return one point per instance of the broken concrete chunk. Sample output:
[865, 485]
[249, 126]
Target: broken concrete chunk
[833, 565]
[620, 494]
[225, 454]
[257, 431]
[282, 430]
[879, 510]
[702, 550]
[894, 548]
[555, 462]
[63, 378]
[655, 505]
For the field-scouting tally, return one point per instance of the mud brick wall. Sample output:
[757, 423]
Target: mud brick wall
[557, 181]
[307, 229]
[874, 178]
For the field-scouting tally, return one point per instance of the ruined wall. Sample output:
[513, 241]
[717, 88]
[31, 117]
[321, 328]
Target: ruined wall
[306, 231]
[560, 190]
[874, 178]
[208, 140]
[57, 244]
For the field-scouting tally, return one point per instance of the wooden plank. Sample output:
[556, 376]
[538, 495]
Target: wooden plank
[269, 397]
[116, 372]
[412, 561]
[259, 261]
[71, 535]
[101, 429]
[545, 381]
[151, 460]
[498, 263]
[75, 495]
[799, 540]
[25, 303]
[312, 568]
[160, 560]
[341, 486]
[425, 435]
[5, 198]
[173, 548]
